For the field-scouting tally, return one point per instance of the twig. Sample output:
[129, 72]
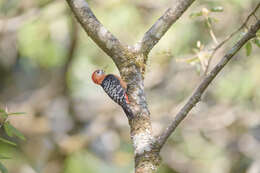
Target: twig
[211, 31]
[229, 37]
[255, 16]
[70, 54]
[154, 34]
[213, 36]
[14, 23]
[196, 96]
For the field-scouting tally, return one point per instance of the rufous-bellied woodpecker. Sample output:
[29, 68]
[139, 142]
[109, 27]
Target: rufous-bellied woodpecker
[115, 88]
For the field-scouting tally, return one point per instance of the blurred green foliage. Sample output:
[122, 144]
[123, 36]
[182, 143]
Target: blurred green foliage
[10, 131]
[63, 103]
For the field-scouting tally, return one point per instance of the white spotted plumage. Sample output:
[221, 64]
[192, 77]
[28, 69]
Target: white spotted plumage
[116, 92]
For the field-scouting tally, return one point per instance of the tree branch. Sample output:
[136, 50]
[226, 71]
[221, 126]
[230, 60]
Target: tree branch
[97, 32]
[230, 36]
[70, 54]
[154, 34]
[196, 96]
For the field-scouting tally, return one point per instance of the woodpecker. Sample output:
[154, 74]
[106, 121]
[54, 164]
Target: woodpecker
[115, 88]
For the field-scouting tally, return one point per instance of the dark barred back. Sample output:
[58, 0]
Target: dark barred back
[116, 92]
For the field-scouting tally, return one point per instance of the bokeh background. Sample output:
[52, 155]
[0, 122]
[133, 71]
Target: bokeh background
[71, 126]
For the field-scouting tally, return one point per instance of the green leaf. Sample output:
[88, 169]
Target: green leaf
[4, 115]
[258, 33]
[193, 59]
[214, 19]
[210, 20]
[198, 68]
[3, 168]
[11, 131]
[196, 14]
[4, 157]
[16, 113]
[207, 23]
[8, 130]
[257, 42]
[16, 132]
[217, 9]
[7, 141]
[248, 48]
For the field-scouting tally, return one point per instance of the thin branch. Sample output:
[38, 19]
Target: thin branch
[241, 27]
[196, 96]
[213, 36]
[211, 32]
[14, 23]
[70, 54]
[154, 34]
[97, 32]
[230, 36]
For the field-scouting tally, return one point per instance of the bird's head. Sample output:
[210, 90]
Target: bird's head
[98, 76]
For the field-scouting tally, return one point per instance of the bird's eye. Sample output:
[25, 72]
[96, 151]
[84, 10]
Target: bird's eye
[99, 72]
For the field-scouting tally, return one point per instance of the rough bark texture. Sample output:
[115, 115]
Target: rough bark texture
[131, 62]
[98, 33]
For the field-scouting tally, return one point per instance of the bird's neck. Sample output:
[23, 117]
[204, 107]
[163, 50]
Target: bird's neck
[100, 79]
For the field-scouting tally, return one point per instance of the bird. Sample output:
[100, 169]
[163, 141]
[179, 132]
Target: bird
[115, 88]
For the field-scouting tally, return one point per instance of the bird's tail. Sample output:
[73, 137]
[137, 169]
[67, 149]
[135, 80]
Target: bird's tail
[128, 111]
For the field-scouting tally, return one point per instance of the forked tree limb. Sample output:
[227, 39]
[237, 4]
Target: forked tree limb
[159, 28]
[111, 45]
[196, 96]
